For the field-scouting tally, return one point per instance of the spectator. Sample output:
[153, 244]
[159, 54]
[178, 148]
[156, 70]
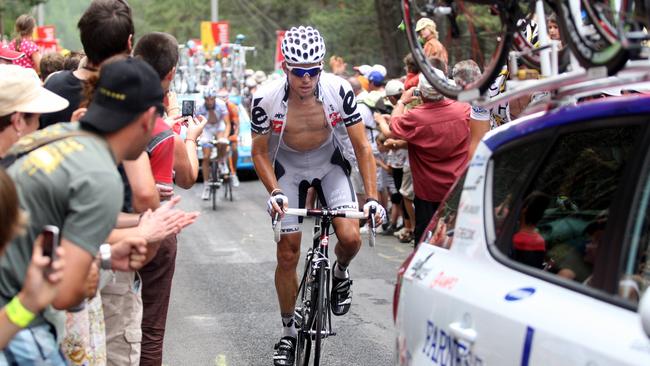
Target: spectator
[160, 50]
[465, 72]
[361, 73]
[338, 66]
[72, 183]
[426, 29]
[51, 62]
[412, 71]
[106, 29]
[39, 290]
[25, 25]
[7, 56]
[370, 126]
[72, 60]
[529, 247]
[553, 29]
[437, 134]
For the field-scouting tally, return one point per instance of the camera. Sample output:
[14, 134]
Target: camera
[416, 93]
[50, 243]
[187, 108]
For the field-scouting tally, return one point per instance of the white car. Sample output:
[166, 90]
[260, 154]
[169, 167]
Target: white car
[540, 253]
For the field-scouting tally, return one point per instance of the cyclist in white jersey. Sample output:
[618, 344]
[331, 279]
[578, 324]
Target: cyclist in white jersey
[306, 131]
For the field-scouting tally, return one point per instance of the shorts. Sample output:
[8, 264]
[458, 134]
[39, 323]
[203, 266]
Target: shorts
[357, 181]
[35, 345]
[323, 168]
[407, 184]
[210, 133]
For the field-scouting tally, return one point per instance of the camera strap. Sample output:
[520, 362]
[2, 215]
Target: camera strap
[28, 147]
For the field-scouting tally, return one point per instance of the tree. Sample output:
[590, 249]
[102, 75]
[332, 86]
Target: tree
[393, 41]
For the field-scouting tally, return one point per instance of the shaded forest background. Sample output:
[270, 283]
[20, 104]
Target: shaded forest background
[361, 31]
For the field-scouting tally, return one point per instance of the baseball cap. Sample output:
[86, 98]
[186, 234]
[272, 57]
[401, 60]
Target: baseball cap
[376, 78]
[10, 55]
[426, 89]
[423, 23]
[125, 89]
[22, 92]
[259, 76]
[379, 68]
[394, 87]
[363, 69]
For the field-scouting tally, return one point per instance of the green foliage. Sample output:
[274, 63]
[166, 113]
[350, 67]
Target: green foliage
[10, 10]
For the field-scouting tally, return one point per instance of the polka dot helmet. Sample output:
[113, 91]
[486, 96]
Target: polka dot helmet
[303, 45]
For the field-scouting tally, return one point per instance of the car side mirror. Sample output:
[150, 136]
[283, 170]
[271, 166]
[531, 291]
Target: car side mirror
[644, 312]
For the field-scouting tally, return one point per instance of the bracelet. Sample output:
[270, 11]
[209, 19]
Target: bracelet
[276, 192]
[18, 314]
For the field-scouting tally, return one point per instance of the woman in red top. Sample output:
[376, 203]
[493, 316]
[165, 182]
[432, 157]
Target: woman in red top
[25, 25]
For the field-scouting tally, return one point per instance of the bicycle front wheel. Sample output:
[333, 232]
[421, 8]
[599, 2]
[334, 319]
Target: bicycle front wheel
[321, 311]
[479, 31]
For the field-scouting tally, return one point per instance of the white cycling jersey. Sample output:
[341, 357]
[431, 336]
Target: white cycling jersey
[270, 103]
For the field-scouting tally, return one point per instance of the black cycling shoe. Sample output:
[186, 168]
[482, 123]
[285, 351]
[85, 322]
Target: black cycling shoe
[341, 297]
[285, 352]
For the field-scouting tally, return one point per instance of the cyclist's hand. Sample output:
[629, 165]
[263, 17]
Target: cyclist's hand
[39, 290]
[195, 127]
[380, 212]
[272, 206]
[129, 254]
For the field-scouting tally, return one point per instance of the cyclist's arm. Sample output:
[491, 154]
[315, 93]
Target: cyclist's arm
[186, 162]
[143, 186]
[365, 159]
[263, 166]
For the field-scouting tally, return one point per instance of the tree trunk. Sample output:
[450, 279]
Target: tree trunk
[394, 45]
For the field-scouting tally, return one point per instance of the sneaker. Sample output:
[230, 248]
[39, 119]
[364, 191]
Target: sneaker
[389, 231]
[285, 352]
[341, 295]
[399, 232]
[235, 180]
[206, 192]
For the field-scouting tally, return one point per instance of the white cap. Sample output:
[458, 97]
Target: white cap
[380, 68]
[259, 76]
[22, 92]
[394, 87]
[364, 69]
[250, 82]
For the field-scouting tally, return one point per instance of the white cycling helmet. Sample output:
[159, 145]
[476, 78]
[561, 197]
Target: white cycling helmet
[303, 45]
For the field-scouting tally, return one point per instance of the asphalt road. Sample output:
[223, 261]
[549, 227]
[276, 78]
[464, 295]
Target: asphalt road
[224, 310]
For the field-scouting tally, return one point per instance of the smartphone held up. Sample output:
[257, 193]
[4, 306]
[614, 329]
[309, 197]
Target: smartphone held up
[50, 243]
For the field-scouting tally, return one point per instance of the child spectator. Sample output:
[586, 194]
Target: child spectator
[25, 25]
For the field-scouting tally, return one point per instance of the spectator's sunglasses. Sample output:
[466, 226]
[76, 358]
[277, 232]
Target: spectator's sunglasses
[301, 72]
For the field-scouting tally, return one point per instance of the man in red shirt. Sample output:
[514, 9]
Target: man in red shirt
[437, 133]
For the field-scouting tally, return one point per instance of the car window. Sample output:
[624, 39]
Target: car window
[557, 223]
[635, 278]
[440, 231]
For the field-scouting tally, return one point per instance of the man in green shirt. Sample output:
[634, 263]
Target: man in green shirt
[73, 183]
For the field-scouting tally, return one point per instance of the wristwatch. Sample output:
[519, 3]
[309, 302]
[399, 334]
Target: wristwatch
[105, 256]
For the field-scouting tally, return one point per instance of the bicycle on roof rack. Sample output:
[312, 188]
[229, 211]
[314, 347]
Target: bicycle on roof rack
[313, 312]
[599, 34]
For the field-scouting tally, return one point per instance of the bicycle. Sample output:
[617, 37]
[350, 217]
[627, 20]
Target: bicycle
[313, 314]
[217, 177]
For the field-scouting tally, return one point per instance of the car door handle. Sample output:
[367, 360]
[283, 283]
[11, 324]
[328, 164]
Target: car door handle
[457, 330]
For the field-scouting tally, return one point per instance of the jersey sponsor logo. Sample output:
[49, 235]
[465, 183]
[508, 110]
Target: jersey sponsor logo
[520, 294]
[277, 125]
[259, 119]
[349, 102]
[443, 349]
[335, 118]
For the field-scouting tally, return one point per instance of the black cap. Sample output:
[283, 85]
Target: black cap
[125, 89]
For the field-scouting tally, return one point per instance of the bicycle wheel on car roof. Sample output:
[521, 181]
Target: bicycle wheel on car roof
[480, 31]
[591, 30]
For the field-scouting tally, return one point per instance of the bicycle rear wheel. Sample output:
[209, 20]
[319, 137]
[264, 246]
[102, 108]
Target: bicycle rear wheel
[214, 179]
[592, 35]
[476, 30]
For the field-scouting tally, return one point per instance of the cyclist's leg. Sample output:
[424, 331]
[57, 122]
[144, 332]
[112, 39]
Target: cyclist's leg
[222, 148]
[205, 141]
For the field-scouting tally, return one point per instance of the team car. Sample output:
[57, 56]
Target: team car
[539, 254]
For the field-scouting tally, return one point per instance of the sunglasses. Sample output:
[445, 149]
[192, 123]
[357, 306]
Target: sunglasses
[301, 72]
